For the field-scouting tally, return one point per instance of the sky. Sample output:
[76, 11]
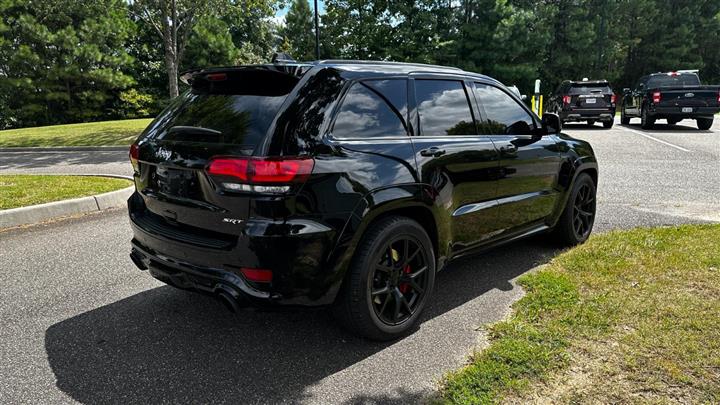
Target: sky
[280, 15]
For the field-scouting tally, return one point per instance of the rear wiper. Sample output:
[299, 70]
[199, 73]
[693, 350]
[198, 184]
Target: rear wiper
[193, 134]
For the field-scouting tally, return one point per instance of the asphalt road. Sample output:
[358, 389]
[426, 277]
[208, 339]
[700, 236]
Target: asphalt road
[81, 324]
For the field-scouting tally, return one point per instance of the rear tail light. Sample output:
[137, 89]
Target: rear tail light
[566, 100]
[613, 98]
[718, 96]
[257, 275]
[263, 175]
[134, 156]
[657, 96]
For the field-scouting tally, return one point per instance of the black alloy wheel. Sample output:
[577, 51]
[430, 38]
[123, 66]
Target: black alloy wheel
[399, 280]
[584, 211]
[624, 119]
[645, 121]
[390, 280]
[577, 219]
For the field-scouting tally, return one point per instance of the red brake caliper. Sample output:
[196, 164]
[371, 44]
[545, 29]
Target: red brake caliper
[405, 286]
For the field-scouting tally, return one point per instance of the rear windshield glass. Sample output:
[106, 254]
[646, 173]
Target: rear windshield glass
[680, 80]
[588, 88]
[218, 114]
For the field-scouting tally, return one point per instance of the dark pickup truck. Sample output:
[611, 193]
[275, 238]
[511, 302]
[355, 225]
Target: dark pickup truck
[673, 96]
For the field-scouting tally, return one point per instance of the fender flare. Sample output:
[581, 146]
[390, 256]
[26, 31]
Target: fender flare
[373, 205]
[572, 170]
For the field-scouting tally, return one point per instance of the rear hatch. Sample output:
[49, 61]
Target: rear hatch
[223, 118]
[590, 95]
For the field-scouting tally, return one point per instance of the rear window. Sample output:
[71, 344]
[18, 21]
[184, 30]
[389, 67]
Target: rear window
[238, 109]
[589, 88]
[679, 80]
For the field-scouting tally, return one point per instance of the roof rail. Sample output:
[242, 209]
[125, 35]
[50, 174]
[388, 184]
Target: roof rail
[381, 62]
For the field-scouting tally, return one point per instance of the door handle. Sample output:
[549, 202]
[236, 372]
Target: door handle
[508, 149]
[432, 151]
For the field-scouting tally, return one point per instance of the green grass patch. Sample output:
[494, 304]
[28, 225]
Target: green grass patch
[106, 133]
[22, 190]
[630, 316]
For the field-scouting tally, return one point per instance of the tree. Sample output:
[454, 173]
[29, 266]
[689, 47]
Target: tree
[173, 20]
[299, 30]
[63, 61]
[210, 45]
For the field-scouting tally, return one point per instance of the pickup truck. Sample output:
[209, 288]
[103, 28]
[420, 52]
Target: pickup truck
[672, 96]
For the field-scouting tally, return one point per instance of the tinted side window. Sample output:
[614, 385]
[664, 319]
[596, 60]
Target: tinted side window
[443, 108]
[373, 108]
[504, 114]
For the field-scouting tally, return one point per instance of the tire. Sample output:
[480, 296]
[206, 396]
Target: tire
[646, 122]
[608, 124]
[704, 123]
[566, 231]
[591, 122]
[624, 119]
[380, 299]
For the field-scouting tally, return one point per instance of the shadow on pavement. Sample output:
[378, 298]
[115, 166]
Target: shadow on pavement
[33, 160]
[167, 345]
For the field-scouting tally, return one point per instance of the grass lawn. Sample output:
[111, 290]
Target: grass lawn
[21, 190]
[106, 133]
[630, 316]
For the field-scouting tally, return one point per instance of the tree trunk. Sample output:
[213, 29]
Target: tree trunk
[172, 71]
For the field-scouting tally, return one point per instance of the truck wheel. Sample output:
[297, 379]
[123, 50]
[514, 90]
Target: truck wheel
[646, 122]
[704, 123]
[577, 219]
[608, 124]
[624, 119]
[390, 280]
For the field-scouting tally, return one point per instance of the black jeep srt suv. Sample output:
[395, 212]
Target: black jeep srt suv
[347, 184]
[584, 101]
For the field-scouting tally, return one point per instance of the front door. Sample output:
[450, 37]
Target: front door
[529, 166]
[458, 164]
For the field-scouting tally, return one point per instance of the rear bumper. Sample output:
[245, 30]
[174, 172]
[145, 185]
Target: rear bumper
[676, 112]
[295, 250]
[604, 114]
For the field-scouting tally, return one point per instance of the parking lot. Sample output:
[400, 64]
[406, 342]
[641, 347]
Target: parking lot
[81, 323]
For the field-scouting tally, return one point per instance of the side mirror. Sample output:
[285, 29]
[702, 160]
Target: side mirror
[626, 90]
[551, 123]
[523, 97]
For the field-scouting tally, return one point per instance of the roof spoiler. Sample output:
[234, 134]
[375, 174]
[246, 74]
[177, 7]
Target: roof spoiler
[288, 68]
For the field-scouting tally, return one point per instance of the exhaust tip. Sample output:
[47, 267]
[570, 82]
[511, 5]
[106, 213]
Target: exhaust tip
[228, 298]
[135, 257]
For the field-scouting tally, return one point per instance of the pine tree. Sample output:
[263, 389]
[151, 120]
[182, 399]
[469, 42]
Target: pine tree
[299, 30]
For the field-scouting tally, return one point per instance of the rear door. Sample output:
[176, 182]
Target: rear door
[459, 164]
[224, 114]
[529, 168]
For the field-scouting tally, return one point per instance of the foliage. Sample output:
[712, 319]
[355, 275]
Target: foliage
[62, 61]
[299, 30]
[65, 61]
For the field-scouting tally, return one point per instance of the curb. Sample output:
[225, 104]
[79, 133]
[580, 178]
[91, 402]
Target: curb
[67, 149]
[52, 210]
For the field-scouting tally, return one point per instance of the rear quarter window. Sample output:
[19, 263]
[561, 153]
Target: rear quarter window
[373, 108]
